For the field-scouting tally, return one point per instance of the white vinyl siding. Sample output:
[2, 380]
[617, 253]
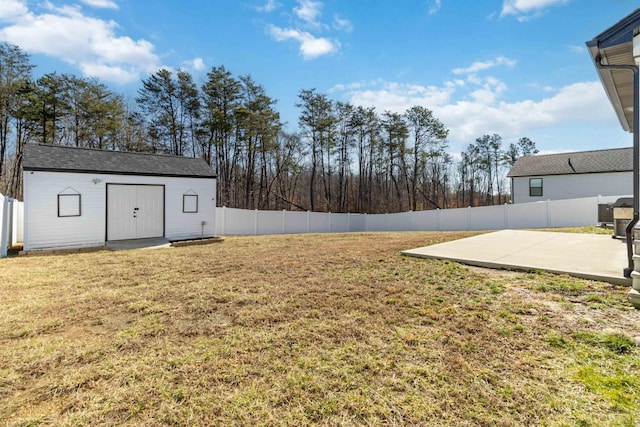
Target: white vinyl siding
[45, 230]
[575, 186]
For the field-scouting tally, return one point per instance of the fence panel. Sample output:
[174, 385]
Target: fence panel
[399, 221]
[270, 222]
[560, 213]
[357, 222]
[376, 222]
[487, 218]
[239, 221]
[319, 222]
[573, 213]
[339, 222]
[527, 215]
[425, 220]
[454, 219]
[296, 222]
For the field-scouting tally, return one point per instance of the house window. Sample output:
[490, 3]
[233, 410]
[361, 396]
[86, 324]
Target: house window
[535, 187]
[190, 203]
[69, 205]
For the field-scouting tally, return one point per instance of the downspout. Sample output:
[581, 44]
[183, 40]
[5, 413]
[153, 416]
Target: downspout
[636, 160]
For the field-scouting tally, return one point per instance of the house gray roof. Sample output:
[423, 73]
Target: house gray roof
[600, 161]
[56, 158]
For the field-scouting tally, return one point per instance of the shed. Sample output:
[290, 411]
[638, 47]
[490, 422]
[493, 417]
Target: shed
[76, 197]
[572, 175]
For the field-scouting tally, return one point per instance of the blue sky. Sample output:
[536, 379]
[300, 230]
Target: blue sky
[513, 67]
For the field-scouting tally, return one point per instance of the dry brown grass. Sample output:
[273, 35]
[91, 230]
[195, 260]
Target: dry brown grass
[309, 330]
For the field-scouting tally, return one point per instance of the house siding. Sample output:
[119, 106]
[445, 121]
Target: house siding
[45, 230]
[560, 187]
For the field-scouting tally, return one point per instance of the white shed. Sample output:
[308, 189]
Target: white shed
[572, 175]
[76, 197]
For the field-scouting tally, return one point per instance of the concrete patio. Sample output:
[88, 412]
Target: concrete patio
[588, 256]
[152, 243]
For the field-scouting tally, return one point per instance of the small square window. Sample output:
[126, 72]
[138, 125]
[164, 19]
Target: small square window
[190, 203]
[69, 205]
[535, 187]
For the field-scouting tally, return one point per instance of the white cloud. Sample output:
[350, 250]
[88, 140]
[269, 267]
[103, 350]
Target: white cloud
[87, 42]
[434, 7]
[396, 97]
[10, 9]
[311, 47]
[101, 4]
[577, 49]
[485, 65]
[308, 11]
[342, 24]
[525, 10]
[198, 64]
[472, 112]
[269, 6]
[305, 28]
[110, 73]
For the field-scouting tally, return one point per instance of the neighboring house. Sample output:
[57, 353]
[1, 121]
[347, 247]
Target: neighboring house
[77, 197]
[572, 175]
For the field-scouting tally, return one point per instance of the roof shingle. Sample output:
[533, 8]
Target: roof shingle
[599, 161]
[46, 157]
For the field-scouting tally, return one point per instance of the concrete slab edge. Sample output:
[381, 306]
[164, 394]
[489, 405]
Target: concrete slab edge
[66, 251]
[197, 242]
[618, 281]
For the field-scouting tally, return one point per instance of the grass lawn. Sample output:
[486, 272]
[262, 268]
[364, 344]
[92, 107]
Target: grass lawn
[336, 329]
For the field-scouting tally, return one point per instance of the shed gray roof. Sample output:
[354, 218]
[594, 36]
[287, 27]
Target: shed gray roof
[55, 158]
[600, 161]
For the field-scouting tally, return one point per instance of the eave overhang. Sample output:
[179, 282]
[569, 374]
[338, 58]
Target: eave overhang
[614, 46]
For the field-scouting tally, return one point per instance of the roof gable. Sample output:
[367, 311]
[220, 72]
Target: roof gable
[56, 158]
[600, 161]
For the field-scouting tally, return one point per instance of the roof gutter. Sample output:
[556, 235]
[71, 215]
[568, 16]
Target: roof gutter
[636, 158]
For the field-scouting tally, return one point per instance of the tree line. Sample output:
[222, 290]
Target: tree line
[343, 158]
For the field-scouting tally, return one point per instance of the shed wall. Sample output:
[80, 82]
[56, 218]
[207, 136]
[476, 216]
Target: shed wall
[45, 230]
[560, 187]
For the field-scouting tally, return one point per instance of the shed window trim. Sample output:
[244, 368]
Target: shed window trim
[535, 187]
[190, 203]
[69, 205]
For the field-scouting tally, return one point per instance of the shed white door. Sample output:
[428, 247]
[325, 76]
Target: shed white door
[135, 211]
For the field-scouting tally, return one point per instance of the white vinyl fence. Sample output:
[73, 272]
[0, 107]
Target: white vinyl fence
[11, 223]
[544, 214]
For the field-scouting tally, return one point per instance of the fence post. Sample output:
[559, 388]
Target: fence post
[437, 219]
[506, 216]
[329, 222]
[224, 220]
[548, 213]
[4, 223]
[284, 221]
[468, 218]
[14, 224]
[255, 222]
[308, 221]
[10, 221]
[348, 223]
